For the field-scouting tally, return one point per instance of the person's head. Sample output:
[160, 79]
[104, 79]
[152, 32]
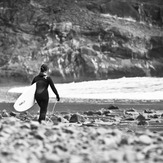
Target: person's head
[44, 68]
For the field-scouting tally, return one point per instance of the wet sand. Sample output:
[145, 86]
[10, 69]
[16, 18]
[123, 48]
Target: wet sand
[85, 105]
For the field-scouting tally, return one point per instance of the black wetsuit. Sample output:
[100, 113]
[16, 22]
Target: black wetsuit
[42, 95]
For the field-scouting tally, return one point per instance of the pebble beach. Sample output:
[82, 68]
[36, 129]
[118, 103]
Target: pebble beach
[83, 131]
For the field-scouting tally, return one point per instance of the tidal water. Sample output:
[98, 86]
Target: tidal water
[137, 88]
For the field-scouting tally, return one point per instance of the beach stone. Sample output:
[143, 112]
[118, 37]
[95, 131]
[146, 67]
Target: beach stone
[148, 111]
[116, 156]
[54, 119]
[62, 119]
[129, 119]
[99, 112]
[112, 107]
[140, 117]
[64, 112]
[67, 116]
[51, 158]
[23, 116]
[154, 116]
[76, 118]
[5, 113]
[13, 114]
[124, 141]
[140, 156]
[34, 124]
[142, 123]
[106, 112]
[145, 139]
[111, 142]
[102, 131]
[25, 125]
[11, 121]
[131, 110]
[35, 118]
[89, 112]
[129, 156]
[76, 159]
[38, 135]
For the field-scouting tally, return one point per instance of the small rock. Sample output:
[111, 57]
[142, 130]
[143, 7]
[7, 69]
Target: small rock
[129, 119]
[67, 116]
[112, 107]
[75, 118]
[148, 111]
[111, 142]
[140, 117]
[13, 114]
[106, 112]
[129, 156]
[55, 119]
[124, 141]
[145, 139]
[51, 158]
[142, 123]
[62, 120]
[34, 124]
[99, 112]
[154, 116]
[131, 110]
[140, 156]
[5, 113]
[26, 125]
[76, 159]
[89, 112]
[130, 131]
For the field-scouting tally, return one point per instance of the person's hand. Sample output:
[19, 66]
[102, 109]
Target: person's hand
[58, 98]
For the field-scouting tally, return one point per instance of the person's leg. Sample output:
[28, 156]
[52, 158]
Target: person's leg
[43, 104]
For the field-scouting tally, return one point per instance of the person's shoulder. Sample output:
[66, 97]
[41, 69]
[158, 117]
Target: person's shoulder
[49, 78]
[35, 77]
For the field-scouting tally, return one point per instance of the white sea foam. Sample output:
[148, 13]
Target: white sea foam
[138, 88]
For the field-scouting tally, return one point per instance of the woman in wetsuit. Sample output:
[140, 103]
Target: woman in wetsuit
[41, 95]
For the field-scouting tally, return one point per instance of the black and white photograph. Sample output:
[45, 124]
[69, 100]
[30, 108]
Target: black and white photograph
[81, 81]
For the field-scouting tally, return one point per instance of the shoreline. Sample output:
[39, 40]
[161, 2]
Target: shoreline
[74, 105]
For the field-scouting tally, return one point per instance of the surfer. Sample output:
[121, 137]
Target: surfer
[41, 95]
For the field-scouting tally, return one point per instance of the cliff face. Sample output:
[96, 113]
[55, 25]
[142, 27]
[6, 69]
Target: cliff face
[81, 40]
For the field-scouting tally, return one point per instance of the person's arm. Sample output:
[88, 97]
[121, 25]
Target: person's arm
[54, 89]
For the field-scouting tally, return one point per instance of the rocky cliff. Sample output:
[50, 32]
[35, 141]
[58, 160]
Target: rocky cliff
[81, 39]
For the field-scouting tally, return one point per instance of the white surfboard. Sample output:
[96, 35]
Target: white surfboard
[26, 100]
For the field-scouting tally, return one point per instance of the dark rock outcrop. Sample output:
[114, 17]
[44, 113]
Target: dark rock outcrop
[81, 40]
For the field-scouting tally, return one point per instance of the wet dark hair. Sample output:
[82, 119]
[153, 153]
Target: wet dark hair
[44, 68]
